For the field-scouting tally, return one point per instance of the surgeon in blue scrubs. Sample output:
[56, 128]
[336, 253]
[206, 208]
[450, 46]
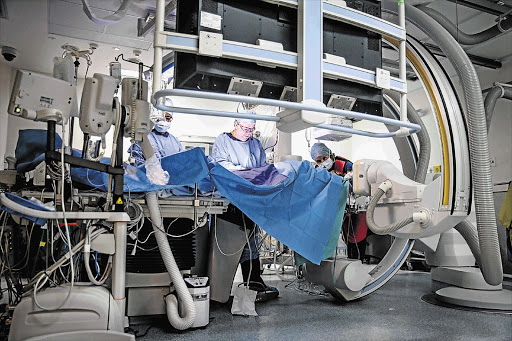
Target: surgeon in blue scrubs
[163, 142]
[239, 150]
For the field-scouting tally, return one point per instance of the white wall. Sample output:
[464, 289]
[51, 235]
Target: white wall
[500, 132]
[300, 146]
[500, 141]
[185, 124]
[372, 148]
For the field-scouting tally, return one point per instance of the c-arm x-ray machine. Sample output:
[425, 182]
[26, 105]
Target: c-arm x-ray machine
[407, 209]
[413, 209]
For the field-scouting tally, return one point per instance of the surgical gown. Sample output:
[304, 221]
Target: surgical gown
[234, 154]
[163, 144]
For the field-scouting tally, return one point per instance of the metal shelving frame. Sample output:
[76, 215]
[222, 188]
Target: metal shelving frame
[309, 61]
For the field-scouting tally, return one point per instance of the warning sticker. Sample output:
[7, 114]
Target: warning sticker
[437, 169]
[119, 201]
[211, 20]
[42, 244]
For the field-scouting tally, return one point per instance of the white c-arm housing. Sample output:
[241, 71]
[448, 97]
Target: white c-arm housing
[404, 198]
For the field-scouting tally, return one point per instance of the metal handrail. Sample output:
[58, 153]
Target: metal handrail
[412, 128]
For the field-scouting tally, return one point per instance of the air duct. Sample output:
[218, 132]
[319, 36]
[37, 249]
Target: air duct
[502, 26]
[183, 293]
[497, 92]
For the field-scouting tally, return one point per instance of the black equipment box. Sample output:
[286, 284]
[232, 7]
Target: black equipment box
[246, 21]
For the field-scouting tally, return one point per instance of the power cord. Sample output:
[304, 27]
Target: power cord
[68, 237]
[250, 249]
[135, 332]
[217, 242]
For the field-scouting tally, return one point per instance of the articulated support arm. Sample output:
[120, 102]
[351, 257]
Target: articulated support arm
[402, 207]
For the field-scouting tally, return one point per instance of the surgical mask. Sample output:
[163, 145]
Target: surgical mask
[327, 164]
[162, 126]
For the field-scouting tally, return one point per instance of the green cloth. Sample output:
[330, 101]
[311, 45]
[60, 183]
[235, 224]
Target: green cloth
[335, 233]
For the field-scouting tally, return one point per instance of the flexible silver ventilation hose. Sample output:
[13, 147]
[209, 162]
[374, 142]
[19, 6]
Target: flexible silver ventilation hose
[491, 267]
[468, 39]
[171, 301]
[386, 229]
[465, 228]
[423, 139]
[493, 95]
[470, 235]
[425, 146]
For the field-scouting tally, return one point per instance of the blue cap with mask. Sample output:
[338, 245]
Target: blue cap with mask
[319, 149]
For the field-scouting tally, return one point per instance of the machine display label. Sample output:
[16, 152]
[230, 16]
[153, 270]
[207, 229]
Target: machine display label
[45, 101]
[211, 20]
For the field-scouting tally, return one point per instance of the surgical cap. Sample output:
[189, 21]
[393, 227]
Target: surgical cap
[159, 115]
[168, 103]
[246, 120]
[319, 149]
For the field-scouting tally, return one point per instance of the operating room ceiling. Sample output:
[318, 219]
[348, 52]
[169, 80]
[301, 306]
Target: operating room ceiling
[37, 28]
[66, 18]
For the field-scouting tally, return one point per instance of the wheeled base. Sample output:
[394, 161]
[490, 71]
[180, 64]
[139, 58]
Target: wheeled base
[479, 299]
[85, 335]
[90, 313]
[466, 287]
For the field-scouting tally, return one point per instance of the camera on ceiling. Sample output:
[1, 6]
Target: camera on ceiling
[9, 53]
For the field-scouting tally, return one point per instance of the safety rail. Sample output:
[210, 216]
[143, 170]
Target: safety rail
[411, 127]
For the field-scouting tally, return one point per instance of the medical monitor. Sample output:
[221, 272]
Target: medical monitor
[39, 97]
[246, 21]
